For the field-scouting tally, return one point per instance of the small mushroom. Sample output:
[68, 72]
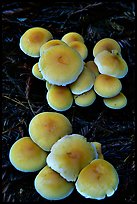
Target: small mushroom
[47, 127]
[116, 102]
[50, 185]
[61, 65]
[111, 63]
[36, 72]
[72, 36]
[107, 86]
[98, 149]
[85, 99]
[26, 156]
[97, 180]
[49, 44]
[59, 98]
[33, 39]
[80, 47]
[93, 67]
[108, 44]
[84, 82]
[69, 155]
[48, 85]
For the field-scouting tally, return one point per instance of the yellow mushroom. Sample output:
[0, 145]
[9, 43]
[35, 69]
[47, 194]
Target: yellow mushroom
[98, 149]
[61, 65]
[107, 86]
[50, 185]
[33, 39]
[59, 98]
[48, 85]
[93, 67]
[36, 72]
[117, 102]
[97, 180]
[80, 47]
[47, 127]
[69, 155]
[72, 36]
[108, 44]
[26, 156]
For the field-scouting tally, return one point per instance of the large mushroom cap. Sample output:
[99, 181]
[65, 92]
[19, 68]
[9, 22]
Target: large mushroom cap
[80, 48]
[117, 102]
[111, 64]
[97, 180]
[47, 127]
[59, 98]
[93, 67]
[72, 36]
[36, 72]
[108, 44]
[69, 155]
[50, 185]
[107, 86]
[84, 82]
[33, 39]
[61, 65]
[26, 156]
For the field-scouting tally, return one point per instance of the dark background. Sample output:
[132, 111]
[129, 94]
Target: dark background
[23, 96]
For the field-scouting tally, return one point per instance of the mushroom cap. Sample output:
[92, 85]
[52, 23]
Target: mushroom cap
[84, 82]
[36, 72]
[26, 156]
[59, 98]
[72, 36]
[107, 86]
[33, 39]
[61, 65]
[85, 99]
[80, 47]
[48, 85]
[117, 102]
[111, 64]
[98, 149]
[69, 155]
[97, 180]
[93, 67]
[108, 44]
[49, 44]
[50, 185]
[47, 127]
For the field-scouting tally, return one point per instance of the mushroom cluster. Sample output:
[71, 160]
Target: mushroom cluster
[64, 160]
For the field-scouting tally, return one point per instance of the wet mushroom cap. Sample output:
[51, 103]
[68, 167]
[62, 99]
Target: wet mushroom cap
[33, 39]
[85, 99]
[26, 156]
[36, 72]
[61, 65]
[98, 149]
[72, 36]
[108, 44]
[80, 48]
[69, 155]
[50, 185]
[97, 180]
[117, 102]
[84, 82]
[107, 86]
[59, 98]
[111, 64]
[47, 127]
[93, 67]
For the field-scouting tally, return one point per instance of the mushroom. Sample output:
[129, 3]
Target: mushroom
[83, 83]
[33, 39]
[107, 86]
[47, 127]
[111, 63]
[59, 98]
[50, 185]
[49, 44]
[108, 44]
[69, 155]
[72, 36]
[97, 180]
[85, 99]
[48, 85]
[36, 72]
[26, 156]
[80, 47]
[98, 149]
[61, 65]
[117, 102]
[93, 67]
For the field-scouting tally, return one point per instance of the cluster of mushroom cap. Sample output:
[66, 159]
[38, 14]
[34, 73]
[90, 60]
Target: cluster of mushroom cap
[63, 160]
